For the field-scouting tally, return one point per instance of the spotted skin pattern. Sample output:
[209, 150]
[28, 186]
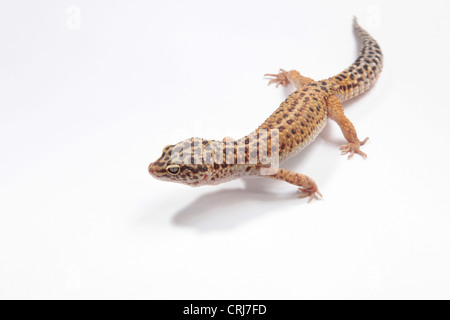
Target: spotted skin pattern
[299, 120]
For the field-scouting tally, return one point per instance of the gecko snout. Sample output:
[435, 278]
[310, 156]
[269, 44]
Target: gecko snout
[151, 168]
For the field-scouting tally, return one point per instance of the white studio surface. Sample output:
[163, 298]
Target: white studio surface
[91, 91]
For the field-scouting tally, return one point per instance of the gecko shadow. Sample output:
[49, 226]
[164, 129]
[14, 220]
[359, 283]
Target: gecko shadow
[227, 208]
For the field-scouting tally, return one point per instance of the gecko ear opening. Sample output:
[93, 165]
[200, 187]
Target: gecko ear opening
[173, 169]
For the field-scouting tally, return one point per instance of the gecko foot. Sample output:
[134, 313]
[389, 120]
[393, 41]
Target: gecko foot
[312, 192]
[279, 79]
[353, 148]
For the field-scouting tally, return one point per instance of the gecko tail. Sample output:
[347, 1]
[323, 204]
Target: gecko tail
[366, 69]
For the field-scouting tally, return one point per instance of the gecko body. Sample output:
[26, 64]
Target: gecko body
[294, 124]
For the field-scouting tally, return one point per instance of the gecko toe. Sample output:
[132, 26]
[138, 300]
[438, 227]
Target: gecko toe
[279, 79]
[352, 149]
[311, 192]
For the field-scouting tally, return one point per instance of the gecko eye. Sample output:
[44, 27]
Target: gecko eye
[173, 169]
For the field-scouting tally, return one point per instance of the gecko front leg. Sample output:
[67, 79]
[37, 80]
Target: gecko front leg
[336, 112]
[307, 186]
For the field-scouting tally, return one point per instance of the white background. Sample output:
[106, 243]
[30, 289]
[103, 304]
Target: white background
[91, 93]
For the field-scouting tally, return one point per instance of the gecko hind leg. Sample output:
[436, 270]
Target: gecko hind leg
[336, 113]
[307, 186]
[284, 77]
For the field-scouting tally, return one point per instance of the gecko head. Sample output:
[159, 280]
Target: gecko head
[182, 163]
